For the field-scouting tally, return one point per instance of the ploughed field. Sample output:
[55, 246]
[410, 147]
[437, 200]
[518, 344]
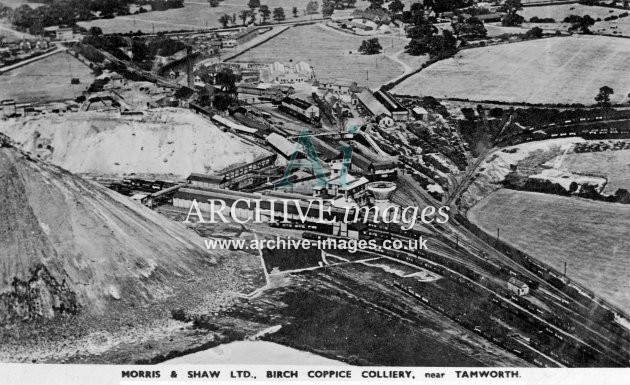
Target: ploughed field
[592, 237]
[328, 52]
[548, 71]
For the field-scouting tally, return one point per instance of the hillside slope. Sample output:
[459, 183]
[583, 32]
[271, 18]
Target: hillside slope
[58, 227]
[166, 143]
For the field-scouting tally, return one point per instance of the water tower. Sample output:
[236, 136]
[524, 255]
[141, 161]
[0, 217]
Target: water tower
[382, 191]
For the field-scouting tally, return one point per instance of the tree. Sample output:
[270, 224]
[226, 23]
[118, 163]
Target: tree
[278, 14]
[328, 8]
[603, 97]
[244, 15]
[139, 50]
[534, 33]
[396, 6]
[265, 12]
[213, 3]
[225, 20]
[511, 7]
[370, 47]
[578, 23]
[376, 4]
[470, 28]
[295, 11]
[312, 7]
[233, 19]
[252, 4]
[96, 31]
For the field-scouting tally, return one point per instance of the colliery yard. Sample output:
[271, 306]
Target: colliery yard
[473, 296]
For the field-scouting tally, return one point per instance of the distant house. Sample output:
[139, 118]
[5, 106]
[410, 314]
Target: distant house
[59, 33]
[364, 24]
[378, 16]
[490, 17]
[517, 287]
[420, 113]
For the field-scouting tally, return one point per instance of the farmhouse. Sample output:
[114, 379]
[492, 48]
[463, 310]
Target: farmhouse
[517, 287]
[396, 110]
[59, 33]
[377, 16]
[279, 73]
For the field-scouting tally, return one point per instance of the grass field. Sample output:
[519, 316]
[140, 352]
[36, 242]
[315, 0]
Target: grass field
[559, 12]
[196, 14]
[614, 164]
[592, 237]
[554, 70]
[46, 79]
[328, 51]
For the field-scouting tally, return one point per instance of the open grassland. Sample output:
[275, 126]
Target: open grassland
[614, 164]
[196, 14]
[592, 237]
[46, 80]
[619, 27]
[554, 70]
[560, 11]
[328, 51]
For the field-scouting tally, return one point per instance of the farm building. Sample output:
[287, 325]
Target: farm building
[279, 73]
[517, 287]
[490, 17]
[378, 16]
[420, 113]
[396, 110]
[301, 109]
[59, 33]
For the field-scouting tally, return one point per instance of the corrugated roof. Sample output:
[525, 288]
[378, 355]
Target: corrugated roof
[297, 102]
[281, 144]
[375, 107]
[389, 101]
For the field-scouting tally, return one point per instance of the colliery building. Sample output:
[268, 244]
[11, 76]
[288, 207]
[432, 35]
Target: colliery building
[383, 106]
[184, 198]
[395, 109]
[301, 109]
